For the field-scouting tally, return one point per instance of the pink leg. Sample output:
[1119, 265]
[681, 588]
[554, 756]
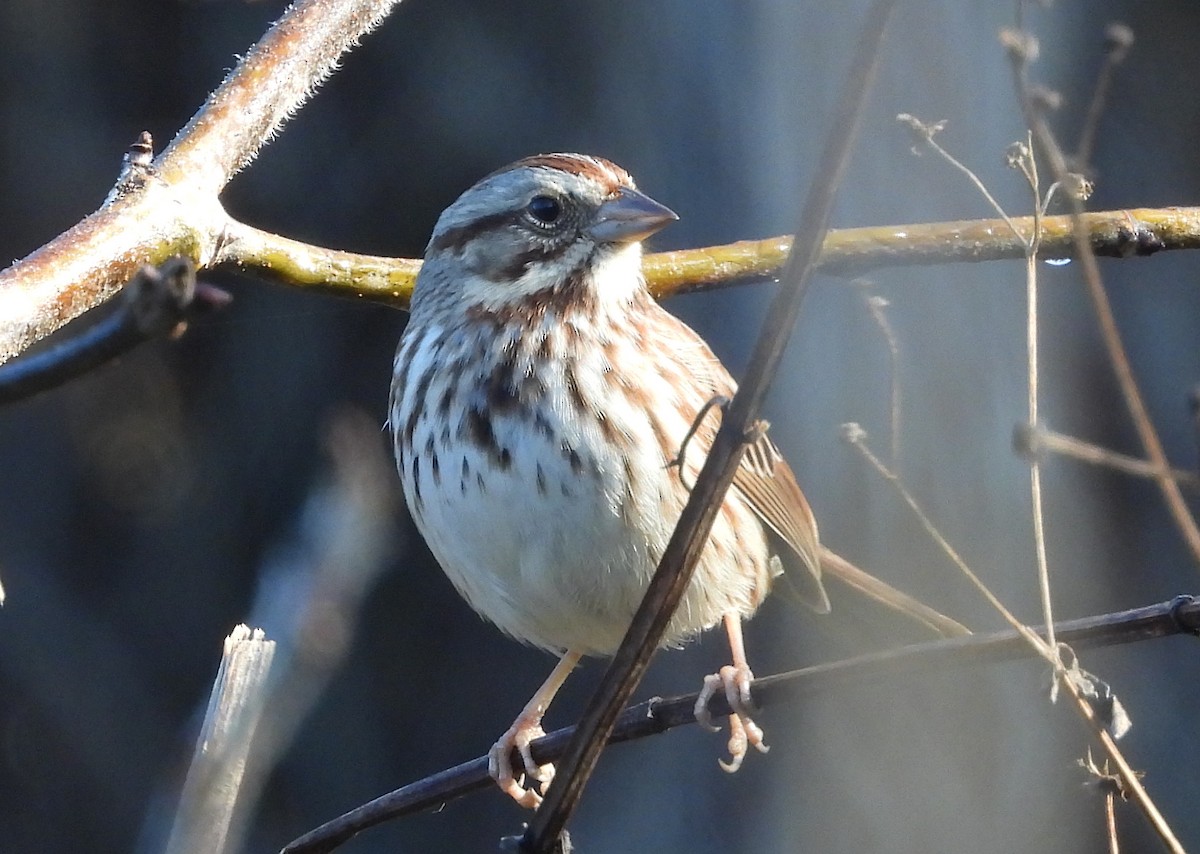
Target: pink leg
[734, 680]
[525, 729]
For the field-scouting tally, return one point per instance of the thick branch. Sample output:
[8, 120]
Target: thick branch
[1177, 616]
[170, 207]
[270, 83]
[848, 251]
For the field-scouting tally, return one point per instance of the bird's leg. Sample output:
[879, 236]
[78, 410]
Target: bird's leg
[734, 679]
[525, 729]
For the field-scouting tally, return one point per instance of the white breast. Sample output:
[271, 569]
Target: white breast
[543, 524]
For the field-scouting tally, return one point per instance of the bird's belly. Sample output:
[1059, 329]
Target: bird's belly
[540, 546]
[549, 503]
[557, 549]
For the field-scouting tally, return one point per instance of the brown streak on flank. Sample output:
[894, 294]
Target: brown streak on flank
[541, 480]
[627, 499]
[542, 424]
[665, 445]
[418, 400]
[479, 430]
[501, 389]
[573, 459]
[545, 348]
[531, 388]
[573, 392]
[607, 429]
[416, 480]
[445, 402]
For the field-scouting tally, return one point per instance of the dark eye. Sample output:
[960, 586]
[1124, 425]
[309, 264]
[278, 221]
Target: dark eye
[544, 209]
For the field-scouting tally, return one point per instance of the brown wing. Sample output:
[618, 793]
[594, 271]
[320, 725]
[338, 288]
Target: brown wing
[763, 479]
[769, 487]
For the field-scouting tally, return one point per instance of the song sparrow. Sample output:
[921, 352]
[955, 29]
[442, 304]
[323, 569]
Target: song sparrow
[539, 397]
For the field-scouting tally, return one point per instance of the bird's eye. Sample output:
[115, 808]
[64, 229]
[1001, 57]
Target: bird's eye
[544, 209]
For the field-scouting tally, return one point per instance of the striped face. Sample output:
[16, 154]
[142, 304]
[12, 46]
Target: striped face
[536, 227]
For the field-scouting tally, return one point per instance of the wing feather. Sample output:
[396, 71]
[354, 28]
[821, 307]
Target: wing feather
[763, 480]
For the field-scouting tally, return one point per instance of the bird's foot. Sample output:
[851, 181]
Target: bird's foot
[734, 681]
[524, 730]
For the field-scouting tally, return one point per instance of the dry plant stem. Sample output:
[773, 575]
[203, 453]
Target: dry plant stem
[1038, 439]
[1028, 166]
[1165, 619]
[737, 427]
[1031, 349]
[207, 806]
[1107, 322]
[312, 589]
[1035, 466]
[1130, 779]
[170, 207]
[875, 306]
[1137, 409]
[1110, 823]
[1119, 38]
[858, 439]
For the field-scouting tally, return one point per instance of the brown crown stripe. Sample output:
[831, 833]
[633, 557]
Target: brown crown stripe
[608, 174]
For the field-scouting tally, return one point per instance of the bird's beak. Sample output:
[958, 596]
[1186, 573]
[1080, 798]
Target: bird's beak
[629, 217]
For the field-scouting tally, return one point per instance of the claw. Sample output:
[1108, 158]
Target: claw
[734, 680]
[700, 711]
[520, 735]
[528, 787]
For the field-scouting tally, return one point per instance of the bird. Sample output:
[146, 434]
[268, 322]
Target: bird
[539, 405]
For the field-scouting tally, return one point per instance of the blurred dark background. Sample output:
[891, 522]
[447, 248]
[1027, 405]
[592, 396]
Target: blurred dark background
[149, 507]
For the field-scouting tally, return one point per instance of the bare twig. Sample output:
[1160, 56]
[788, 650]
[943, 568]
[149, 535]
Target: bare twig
[1021, 47]
[737, 426]
[1104, 313]
[210, 795]
[169, 206]
[857, 438]
[1027, 162]
[1028, 440]
[876, 306]
[1118, 39]
[158, 301]
[1177, 616]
